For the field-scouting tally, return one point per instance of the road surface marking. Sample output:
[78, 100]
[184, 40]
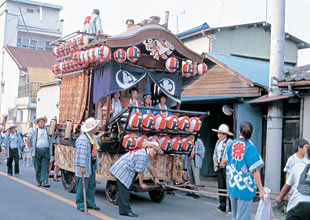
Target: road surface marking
[55, 196]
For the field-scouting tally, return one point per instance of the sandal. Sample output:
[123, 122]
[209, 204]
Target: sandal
[55, 179]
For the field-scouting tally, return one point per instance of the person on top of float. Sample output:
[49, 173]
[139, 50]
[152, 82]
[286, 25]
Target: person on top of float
[115, 107]
[133, 101]
[147, 100]
[92, 24]
[162, 106]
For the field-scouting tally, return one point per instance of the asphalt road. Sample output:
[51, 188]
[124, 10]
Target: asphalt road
[21, 200]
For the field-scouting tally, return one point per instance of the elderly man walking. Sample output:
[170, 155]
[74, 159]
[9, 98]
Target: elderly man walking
[130, 165]
[42, 149]
[86, 164]
[194, 163]
[13, 143]
[219, 162]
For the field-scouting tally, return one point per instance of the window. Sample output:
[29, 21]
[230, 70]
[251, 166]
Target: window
[41, 45]
[33, 44]
[29, 10]
[25, 42]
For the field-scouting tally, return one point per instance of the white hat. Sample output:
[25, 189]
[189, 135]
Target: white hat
[40, 118]
[11, 126]
[90, 124]
[154, 145]
[223, 129]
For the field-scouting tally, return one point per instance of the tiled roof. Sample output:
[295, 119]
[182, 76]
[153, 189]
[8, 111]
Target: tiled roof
[301, 73]
[25, 57]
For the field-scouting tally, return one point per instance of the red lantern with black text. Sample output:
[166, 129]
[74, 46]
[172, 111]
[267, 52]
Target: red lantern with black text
[172, 64]
[120, 56]
[133, 54]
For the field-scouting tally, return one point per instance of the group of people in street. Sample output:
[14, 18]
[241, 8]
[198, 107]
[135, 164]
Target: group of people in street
[36, 146]
[236, 162]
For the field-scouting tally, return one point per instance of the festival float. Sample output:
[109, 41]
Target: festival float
[147, 56]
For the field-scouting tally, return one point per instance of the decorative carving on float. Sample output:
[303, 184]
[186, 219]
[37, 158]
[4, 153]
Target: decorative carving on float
[159, 48]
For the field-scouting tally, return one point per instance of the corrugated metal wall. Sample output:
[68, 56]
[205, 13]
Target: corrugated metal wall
[253, 42]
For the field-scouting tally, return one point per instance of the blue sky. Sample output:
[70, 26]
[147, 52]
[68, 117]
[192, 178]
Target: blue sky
[214, 12]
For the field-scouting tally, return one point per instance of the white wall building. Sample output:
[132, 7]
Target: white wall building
[48, 100]
[245, 40]
[26, 30]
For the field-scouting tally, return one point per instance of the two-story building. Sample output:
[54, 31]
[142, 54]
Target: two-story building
[250, 40]
[26, 30]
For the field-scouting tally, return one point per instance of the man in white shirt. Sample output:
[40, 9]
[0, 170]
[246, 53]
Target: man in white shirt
[299, 203]
[301, 146]
[42, 146]
[219, 162]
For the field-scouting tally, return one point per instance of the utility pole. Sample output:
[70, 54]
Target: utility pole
[275, 109]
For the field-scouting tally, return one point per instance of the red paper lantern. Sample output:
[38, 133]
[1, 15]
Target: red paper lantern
[202, 68]
[105, 53]
[83, 40]
[172, 64]
[61, 50]
[184, 123]
[165, 143]
[135, 120]
[129, 142]
[133, 54]
[148, 121]
[176, 144]
[154, 139]
[195, 124]
[188, 70]
[172, 122]
[160, 122]
[120, 56]
[187, 144]
[141, 140]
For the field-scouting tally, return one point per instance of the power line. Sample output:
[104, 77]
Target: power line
[220, 21]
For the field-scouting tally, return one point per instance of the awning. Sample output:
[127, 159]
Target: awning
[207, 98]
[266, 98]
[114, 77]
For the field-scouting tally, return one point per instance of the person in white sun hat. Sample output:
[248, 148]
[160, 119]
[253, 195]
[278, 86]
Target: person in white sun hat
[130, 165]
[219, 156]
[86, 164]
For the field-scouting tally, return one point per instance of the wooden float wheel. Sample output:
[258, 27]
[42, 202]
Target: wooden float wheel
[68, 181]
[111, 192]
[157, 195]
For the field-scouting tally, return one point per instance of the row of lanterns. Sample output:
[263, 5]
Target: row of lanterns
[189, 69]
[82, 58]
[160, 122]
[166, 143]
[71, 46]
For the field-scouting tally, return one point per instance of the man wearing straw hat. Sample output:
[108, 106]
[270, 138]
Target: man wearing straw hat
[130, 165]
[219, 156]
[41, 149]
[86, 165]
[13, 143]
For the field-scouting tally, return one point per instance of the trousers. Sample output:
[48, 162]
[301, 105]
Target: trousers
[299, 212]
[90, 187]
[241, 209]
[221, 181]
[123, 198]
[42, 160]
[193, 172]
[13, 155]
